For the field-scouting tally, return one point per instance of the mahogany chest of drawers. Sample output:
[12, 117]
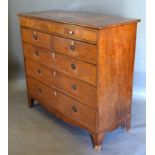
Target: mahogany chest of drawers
[79, 66]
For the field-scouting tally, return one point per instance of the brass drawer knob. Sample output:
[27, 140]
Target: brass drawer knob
[36, 53]
[74, 87]
[73, 66]
[38, 71]
[35, 35]
[40, 90]
[69, 31]
[72, 47]
[74, 109]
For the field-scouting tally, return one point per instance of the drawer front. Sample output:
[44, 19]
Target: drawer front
[36, 38]
[67, 30]
[37, 54]
[81, 70]
[66, 105]
[38, 72]
[79, 112]
[76, 49]
[71, 86]
[41, 92]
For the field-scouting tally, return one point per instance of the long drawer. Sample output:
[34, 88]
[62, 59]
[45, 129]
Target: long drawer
[75, 68]
[70, 86]
[66, 30]
[72, 67]
[66, 105]
[76, 49]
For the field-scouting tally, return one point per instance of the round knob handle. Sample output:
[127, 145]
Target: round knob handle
[40, 90]
[36, 53]
[38, 71]
[73, 66]
[74, 109]
[72, 47]
[74, 87]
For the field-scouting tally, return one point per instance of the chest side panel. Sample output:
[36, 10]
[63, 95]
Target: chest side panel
[115, 74]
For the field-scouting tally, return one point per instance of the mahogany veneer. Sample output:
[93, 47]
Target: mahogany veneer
[79, 66]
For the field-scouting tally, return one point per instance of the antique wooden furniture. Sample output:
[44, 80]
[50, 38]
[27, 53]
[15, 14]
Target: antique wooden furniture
[79, 66]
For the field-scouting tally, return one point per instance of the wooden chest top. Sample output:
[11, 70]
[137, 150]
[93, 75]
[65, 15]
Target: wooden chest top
[86, 19]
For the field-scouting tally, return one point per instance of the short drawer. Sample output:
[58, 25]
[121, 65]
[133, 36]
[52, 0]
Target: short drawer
[37, 54]
[67, 30]
[36, 38]
[76, 49]
[38, 72]
[70, 86]
[66, 105]
[81, 70]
